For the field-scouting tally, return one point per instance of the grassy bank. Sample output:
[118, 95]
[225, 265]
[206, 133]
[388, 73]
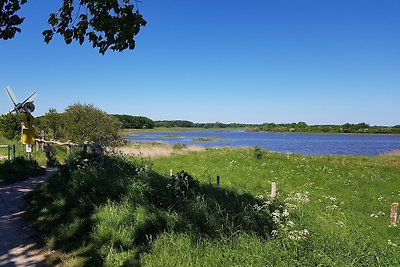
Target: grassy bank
[112, 214]
[330, 211]
[346, 215]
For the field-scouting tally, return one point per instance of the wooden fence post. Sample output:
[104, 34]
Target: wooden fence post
[218, 179]
[393, 214]
[273, 191]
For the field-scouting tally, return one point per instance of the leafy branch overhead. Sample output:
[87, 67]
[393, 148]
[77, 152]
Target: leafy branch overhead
[9, 20]
[107, 24]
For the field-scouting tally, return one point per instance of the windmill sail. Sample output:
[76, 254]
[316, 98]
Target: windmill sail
[11, 95]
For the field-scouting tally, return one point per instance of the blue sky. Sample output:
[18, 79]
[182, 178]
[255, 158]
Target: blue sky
[318, 61]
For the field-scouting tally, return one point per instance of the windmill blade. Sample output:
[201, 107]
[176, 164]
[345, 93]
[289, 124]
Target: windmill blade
[11, 95]
[30, 98]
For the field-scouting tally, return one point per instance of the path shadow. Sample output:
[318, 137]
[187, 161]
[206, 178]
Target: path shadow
[17, 247]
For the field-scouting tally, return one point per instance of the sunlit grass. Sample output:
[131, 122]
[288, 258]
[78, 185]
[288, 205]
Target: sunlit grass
[330, 210]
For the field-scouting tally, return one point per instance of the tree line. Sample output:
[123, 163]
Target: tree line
[344, 128]
[286, 127]
[78, 123]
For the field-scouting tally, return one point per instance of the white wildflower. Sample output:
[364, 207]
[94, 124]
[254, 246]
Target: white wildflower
[274, 233]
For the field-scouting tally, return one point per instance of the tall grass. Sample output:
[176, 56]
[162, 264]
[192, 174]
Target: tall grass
[346, 214]
[330, 210]
[18, 169]
[111, 214]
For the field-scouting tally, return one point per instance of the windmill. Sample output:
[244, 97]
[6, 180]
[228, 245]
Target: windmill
[25, 107]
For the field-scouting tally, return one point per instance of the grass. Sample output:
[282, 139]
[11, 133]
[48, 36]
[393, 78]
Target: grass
[330, 210]
[12, 171]
[111, 214]
[347, 214]
[172, 136]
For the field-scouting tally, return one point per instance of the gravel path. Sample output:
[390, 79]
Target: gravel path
[16, 246]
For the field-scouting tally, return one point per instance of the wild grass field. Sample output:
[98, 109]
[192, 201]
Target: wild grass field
[330, 210]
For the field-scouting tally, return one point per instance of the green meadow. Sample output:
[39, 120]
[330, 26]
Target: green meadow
[329, 210]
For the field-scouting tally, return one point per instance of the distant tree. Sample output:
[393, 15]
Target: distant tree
[135, 122]
[110, 24]
[10, 125]
[87, 123]
[174, 123]
[301, 124]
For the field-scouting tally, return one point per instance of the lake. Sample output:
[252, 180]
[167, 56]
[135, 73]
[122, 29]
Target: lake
[310, 144]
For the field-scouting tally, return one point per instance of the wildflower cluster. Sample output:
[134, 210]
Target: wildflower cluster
[390, 243]
[285, 226]
[377, 215]
[333, 202]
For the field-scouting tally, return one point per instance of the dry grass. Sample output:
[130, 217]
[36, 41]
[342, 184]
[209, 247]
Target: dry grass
[394, 153]
[153, 150]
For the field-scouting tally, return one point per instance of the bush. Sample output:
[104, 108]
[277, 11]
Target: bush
[87, 123]
[179, 146]
[258, 154]
[10, 125]
[19, 169]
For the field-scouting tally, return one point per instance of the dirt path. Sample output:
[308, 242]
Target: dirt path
[16, 247]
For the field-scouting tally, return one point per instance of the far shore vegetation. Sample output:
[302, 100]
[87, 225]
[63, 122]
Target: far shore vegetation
[298, 127]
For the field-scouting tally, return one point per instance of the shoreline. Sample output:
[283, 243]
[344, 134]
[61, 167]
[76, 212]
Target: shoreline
[126, 132]
[162, 149]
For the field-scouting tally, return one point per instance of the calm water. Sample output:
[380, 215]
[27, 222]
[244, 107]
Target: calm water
[312, 144]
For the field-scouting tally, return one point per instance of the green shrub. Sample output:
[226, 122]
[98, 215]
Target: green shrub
[258, 154]
[18, 169]
[179, 146]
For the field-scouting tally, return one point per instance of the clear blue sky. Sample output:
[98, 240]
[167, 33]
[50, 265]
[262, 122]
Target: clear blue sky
[320, 61]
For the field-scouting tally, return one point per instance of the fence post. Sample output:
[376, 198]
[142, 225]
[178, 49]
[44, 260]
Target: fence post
[393, 214]
[218, 180]
[13, 148]
[9, 152]
[273, 191]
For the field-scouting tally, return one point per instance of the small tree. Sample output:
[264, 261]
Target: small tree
[10, 126]
[85, 122]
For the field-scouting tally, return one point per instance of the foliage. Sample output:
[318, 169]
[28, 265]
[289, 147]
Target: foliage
[106, 24]
[175, 123]
[287, 127]
[86, 123]
[53, 124]
[9, 20]
[258, 154]
[19, 169]
[179, 146]
[135, 122]
[10, 125]
[109, 215]
[345, 128]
